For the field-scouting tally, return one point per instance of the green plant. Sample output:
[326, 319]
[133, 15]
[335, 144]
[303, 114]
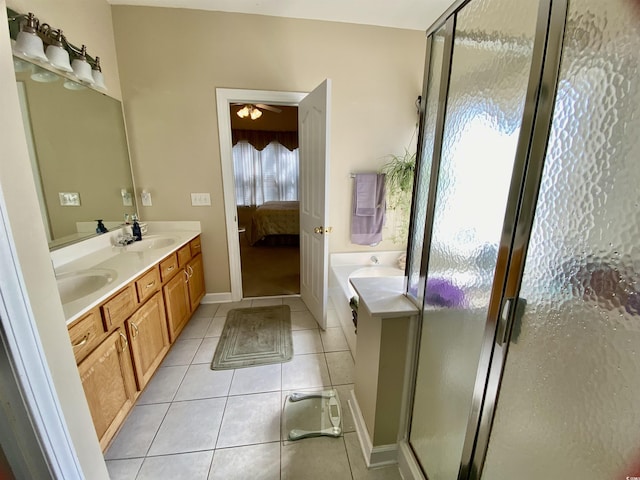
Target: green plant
[399, 171]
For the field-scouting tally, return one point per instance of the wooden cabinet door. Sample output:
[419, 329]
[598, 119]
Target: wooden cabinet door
[196, 281]
[147, 329]
[176, 299]
[107, 378]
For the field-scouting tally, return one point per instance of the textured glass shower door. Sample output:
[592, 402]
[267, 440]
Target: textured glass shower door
[569, 402]
[490, 67]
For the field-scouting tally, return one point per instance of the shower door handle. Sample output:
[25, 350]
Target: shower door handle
[509, 321]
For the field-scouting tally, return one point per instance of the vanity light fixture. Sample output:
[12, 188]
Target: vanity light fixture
[96, 73]
[28, 42]
[81, 67]
[58, 56]
[30, 37]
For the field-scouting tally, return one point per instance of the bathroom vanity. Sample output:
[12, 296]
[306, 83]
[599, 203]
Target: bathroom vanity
[132, 304]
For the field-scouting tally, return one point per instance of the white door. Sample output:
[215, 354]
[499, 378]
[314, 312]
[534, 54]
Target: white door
[313, 132]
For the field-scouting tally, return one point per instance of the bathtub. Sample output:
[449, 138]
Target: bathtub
[344, 266]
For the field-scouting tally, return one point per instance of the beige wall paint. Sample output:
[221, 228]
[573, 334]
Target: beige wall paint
[172, 60]
[18, 192]
[83, 22]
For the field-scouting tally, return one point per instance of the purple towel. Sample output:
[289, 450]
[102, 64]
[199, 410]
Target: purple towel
[366, 194]
[367, 230]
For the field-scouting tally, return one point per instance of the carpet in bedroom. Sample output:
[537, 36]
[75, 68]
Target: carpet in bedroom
[269, 269]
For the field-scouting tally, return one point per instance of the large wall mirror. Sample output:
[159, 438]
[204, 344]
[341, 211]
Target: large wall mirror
[79, 154]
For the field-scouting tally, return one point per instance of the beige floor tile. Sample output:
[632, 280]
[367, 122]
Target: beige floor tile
[216, 327]
[206, 350]
[192, 466]
[206, 310]
[306, 341]
[333, 340]
[137, 432]
[196, 328]
[163, 385]
[182, 352]
[266, 302]
[315, 459]
[260, 462]
[250, 419]
[126, 469]
[224, 308]
[305, 371]
[202, 382]
[359, 468]
[341, 367]
[295, 303]
[189, 426]
[260, 379]
[332, 319]
[303, 321]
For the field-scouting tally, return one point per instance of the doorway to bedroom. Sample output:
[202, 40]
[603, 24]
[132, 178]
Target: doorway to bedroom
[265, 161]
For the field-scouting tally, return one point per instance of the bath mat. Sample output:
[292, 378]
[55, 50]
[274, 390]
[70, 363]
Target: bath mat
[254, 336]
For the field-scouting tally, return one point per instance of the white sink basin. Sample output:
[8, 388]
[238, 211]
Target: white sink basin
[75, 285]
[150, 243]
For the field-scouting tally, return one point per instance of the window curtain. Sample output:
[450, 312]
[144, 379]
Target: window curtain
[261, 138]
[267, 175]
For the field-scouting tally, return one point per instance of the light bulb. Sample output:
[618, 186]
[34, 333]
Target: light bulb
[243, 112]
[255, 113]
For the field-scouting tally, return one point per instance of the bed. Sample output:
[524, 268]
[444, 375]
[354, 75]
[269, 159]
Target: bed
[275, 218]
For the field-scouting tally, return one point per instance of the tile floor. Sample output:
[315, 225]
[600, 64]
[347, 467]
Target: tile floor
[195, 423]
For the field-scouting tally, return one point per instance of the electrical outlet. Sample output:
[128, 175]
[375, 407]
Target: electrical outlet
[69, 199]
[200, 200]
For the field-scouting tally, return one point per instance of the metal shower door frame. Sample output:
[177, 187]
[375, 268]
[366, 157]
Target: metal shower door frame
[517, 227]
[518, 220]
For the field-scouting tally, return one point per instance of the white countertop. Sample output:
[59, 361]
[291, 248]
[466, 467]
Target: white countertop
[125, 264]
[384, 296]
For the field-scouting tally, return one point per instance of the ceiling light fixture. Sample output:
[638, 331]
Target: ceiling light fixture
[255, 114]
[30, 37]
[251, 111]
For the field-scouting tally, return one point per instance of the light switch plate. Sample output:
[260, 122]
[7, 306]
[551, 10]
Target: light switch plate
[200, 200]
[127, 199]
[69, 199]
[146, 199]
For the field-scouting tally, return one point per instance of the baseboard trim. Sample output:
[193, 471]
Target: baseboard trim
[378, 456]
[217, 297]
[407, 463]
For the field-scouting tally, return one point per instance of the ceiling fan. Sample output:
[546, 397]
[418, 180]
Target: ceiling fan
[253, 111]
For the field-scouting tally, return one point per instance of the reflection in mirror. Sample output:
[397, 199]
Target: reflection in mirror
[79, 154]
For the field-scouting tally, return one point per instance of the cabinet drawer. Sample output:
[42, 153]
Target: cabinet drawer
[184, 255]
[117, 309]
[168, 267]
[148, 284]
[86, 334]
[195, 246]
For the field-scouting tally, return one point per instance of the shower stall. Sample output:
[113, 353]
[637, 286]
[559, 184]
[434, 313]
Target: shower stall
[524, 250]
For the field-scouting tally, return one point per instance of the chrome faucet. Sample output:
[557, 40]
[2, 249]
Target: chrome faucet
[374, 260]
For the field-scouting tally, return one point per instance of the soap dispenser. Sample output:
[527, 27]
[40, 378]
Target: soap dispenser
[101, 228]
[135, 230]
